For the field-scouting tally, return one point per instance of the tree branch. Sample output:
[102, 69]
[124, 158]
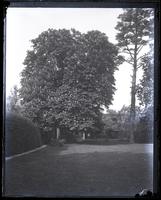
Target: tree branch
[131, 55]
[140, 57]
[131, 63]
[126, 52]
[139, 48]
[138, 67]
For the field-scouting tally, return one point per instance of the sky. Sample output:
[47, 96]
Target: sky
[25, 24]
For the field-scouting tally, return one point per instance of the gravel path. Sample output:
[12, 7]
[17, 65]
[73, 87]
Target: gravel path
[129, 148]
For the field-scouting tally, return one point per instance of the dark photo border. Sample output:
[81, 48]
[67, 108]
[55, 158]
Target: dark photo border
[98, 4]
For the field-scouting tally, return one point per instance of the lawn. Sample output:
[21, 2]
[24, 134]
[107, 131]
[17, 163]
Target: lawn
[81, 170]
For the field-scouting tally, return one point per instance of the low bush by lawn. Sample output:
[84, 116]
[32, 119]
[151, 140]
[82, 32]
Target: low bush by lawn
[20, 135]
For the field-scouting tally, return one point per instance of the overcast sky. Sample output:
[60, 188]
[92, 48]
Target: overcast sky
[24, 24]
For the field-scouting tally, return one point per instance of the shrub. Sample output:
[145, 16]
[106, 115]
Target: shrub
[20, 135]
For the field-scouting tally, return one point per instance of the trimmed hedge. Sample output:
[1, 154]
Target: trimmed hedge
[20, 135]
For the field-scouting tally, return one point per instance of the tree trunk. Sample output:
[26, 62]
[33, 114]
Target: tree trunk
[84, 136]
[57, 133]
[132, 110]
[133, 98]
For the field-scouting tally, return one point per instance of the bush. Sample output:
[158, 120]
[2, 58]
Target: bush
[20, 135]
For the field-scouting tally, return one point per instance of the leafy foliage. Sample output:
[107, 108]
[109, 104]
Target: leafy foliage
[68, 76]
[144, 129]
[133, 27]
[117, 123]
[145, 87]
[13, 101]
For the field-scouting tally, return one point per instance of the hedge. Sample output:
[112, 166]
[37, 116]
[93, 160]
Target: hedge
[20, 135]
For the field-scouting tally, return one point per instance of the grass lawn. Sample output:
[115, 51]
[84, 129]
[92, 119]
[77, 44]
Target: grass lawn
[80, 170]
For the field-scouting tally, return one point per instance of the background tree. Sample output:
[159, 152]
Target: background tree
[13, 101]
[145, 86]
[67, 78]
[111, 125]
[134, 29]
[125, 121]
[119, 122]
[145, 96]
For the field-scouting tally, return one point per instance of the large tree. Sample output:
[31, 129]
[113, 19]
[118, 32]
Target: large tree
[67, 77]
[134, 30]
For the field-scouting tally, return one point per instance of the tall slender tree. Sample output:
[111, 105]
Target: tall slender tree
[134, 30]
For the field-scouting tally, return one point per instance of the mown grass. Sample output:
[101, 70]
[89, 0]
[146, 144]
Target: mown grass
[46, 173]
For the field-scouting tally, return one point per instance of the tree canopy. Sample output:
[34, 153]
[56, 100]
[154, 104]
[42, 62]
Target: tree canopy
[67, 77]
